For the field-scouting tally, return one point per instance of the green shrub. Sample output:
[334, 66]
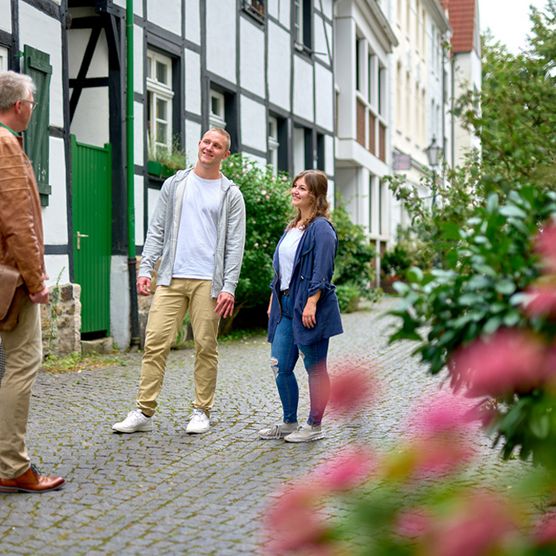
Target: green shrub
[354, 260]
[348, 297]
[268, 211]
[479, 292]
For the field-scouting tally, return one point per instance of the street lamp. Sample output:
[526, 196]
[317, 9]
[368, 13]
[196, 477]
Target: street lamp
[433, 152]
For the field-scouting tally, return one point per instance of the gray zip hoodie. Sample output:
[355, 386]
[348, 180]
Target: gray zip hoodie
[162, 235]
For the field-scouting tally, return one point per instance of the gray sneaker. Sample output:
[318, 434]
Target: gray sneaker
[135, 421]
[277, 431]
[305, 433]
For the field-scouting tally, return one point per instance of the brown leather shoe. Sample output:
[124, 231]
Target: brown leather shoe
[31, 481]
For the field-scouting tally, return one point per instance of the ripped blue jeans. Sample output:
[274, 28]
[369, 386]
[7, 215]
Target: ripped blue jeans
[284, 354]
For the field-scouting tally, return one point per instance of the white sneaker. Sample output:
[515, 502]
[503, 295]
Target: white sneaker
[198, 423]
[277, 431]
[135, 421]
[305, 433]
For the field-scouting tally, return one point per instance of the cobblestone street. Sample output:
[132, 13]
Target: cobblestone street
[167, 492]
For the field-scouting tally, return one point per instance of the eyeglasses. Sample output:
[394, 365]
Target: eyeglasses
[33, 103]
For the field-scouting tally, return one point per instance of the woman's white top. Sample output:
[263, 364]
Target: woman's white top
[286, 256]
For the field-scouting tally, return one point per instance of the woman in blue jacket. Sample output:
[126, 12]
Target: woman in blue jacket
[303, 310]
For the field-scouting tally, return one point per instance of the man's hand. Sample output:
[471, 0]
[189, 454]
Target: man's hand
[143, 285]
[40, 297]
[224, 304]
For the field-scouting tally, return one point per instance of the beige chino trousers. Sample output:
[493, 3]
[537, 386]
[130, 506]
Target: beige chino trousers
[23, 349]
[167, 312]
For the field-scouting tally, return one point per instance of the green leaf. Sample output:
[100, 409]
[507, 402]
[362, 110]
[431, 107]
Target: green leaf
[492, 325]
[513, 211]
[505, 287]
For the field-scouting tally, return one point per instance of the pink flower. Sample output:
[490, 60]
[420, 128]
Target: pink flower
[541, 301]
[348, 469]
[413, 523]
[545, 535]
[480, 526]
[292, 522]
[351, 389]
[545, 245]
[508, 361]
[440, 455]
[444, 412]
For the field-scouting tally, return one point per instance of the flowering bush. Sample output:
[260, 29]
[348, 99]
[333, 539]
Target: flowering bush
[413, 501]
[487, 317]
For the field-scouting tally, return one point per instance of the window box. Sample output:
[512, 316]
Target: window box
[159, 170]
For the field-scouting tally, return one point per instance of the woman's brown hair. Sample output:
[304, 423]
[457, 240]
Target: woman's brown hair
[317, 184]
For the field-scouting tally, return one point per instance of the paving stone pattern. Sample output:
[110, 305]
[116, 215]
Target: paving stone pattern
[167, 492]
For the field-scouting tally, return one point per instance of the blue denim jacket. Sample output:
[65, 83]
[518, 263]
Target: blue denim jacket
[313, 267]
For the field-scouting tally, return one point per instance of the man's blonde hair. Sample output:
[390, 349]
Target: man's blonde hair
[13, 87]
[224, 133]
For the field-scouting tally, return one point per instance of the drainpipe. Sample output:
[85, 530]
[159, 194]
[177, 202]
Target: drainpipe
[131, 255]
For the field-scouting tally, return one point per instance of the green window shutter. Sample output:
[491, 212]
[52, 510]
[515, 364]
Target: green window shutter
[37, 65]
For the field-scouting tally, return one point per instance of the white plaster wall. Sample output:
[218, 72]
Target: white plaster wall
[137, 59]
[324, 98]
[152, 199]
[193, 21]
[55, 216]
[346, 187]
[303, 89]
[139, 210]
[329, 154]
[345, 76]
[6, 19]
[77, 43]
[137, 6]
[138, 128]
[92, 130]
[260, 161]
[192, 82]
[221, 38]
[251, 69]
[327, 7]
[44, 33]
[298, 150]
[321, 32]
[57, 268]
[119, 301]
[192, 137]
[280, 9]
[253, 124]
[279, 66]
[165, 14]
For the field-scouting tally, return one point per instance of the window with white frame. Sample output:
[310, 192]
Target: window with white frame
[302, 24]
[217, 109]
[273, 142]
[3, 59]
[159, 100]
[255, 7]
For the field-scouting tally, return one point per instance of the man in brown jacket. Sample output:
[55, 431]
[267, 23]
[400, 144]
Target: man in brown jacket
[21, 247]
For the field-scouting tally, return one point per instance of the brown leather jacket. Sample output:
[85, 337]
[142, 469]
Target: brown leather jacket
[21, 233]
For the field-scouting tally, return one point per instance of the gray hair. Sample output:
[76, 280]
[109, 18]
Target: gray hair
[13, 87]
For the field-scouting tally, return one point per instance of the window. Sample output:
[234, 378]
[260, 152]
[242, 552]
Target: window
[223, 112]
[381, 74]
[302, 149]
[381, 208]
[255, 8]
[303, 24]
[159, 100]
[370, 76]
[320, 152]
[278, 143]
[217, 109]
[358, 80]
[371, 192]
[3, 59]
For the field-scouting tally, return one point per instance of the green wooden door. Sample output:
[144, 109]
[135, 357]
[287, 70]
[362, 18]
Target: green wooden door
[92, 223]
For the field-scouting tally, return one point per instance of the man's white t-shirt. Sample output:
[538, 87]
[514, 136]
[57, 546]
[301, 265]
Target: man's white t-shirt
[198, 229]
[286, 256]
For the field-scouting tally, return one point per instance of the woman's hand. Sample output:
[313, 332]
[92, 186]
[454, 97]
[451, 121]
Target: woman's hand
[269, 306]
[309, 316]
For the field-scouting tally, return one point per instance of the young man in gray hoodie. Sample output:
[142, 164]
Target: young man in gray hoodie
[198, 233]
